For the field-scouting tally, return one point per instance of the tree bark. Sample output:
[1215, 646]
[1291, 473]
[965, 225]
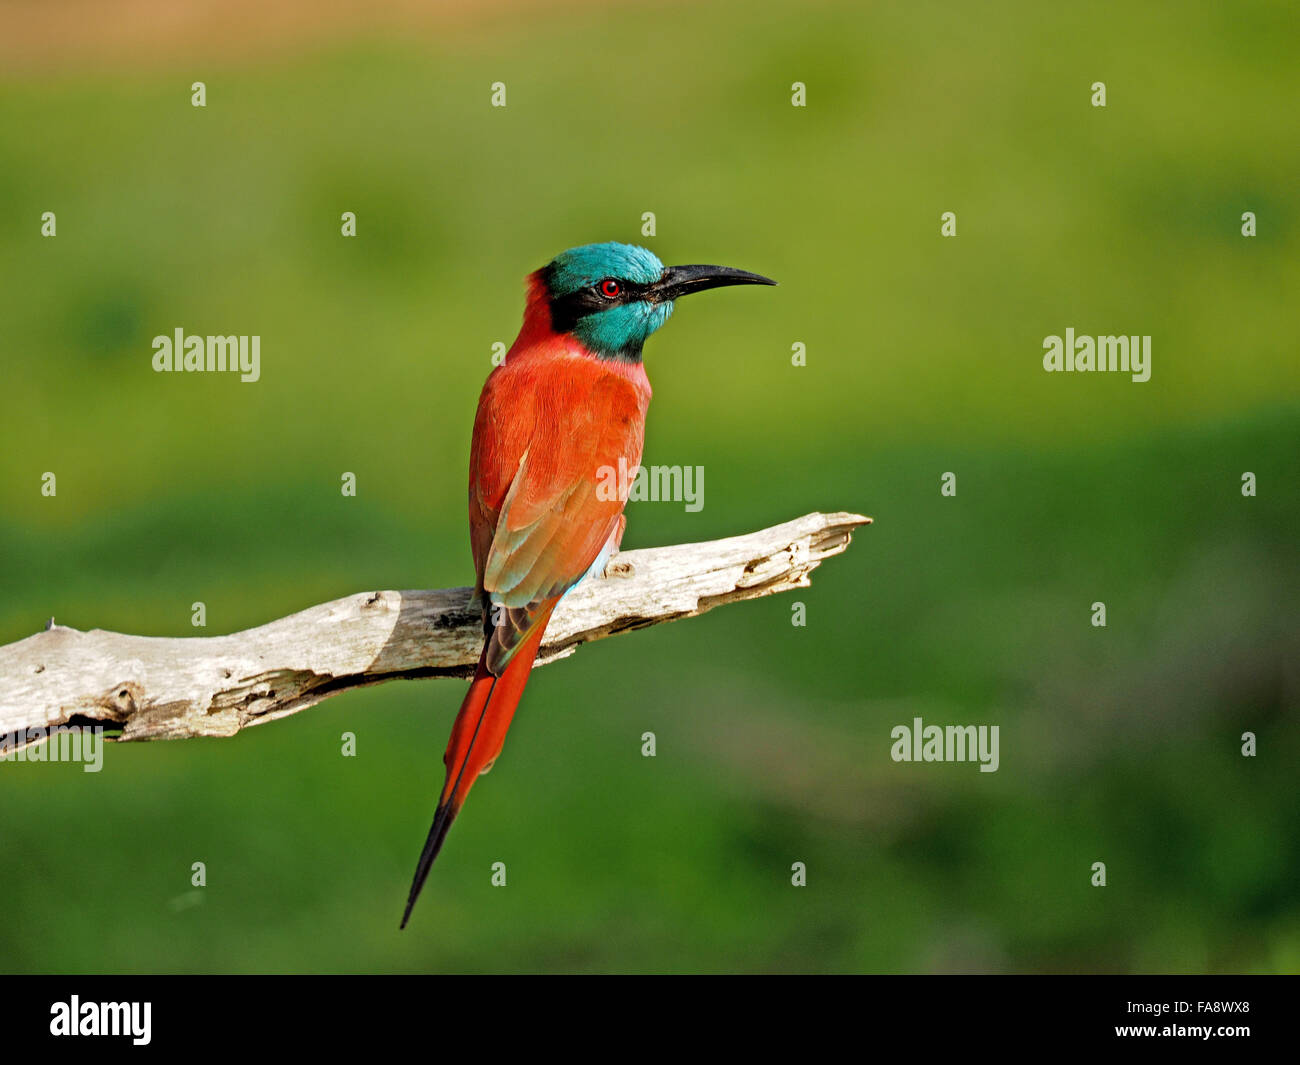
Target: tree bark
[162, 688]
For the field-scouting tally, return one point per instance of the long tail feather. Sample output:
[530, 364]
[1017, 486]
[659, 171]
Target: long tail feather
[476, 739]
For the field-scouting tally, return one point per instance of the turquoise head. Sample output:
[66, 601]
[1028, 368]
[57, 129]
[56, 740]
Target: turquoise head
[612, 297]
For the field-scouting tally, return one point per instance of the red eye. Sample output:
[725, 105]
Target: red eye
[609, 288]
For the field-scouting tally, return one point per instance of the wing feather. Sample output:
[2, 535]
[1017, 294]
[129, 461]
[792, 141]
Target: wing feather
[540, 536]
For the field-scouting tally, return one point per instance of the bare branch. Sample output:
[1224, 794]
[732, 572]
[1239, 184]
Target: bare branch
[161, 688]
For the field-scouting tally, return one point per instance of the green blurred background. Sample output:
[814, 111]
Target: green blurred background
[1119, 745]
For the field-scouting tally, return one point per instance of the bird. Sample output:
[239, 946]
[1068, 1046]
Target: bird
[562, 409]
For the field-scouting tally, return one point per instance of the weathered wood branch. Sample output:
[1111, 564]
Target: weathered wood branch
[161, 688]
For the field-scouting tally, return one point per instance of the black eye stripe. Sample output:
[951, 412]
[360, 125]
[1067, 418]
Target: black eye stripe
[628, 291]
[566, 310]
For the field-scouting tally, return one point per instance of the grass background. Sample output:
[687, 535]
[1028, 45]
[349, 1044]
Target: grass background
[1119, 744]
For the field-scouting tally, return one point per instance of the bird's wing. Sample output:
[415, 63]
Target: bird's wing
[559, 509]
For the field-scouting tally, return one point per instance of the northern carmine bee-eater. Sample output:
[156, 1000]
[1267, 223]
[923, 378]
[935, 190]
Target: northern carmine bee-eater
[566, 405]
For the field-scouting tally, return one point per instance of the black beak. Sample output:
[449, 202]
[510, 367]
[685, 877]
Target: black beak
[683, 280]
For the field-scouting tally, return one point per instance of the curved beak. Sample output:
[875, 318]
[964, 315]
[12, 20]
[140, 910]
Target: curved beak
[683, 280]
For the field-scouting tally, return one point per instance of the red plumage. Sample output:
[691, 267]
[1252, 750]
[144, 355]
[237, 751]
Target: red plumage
[550, 419]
